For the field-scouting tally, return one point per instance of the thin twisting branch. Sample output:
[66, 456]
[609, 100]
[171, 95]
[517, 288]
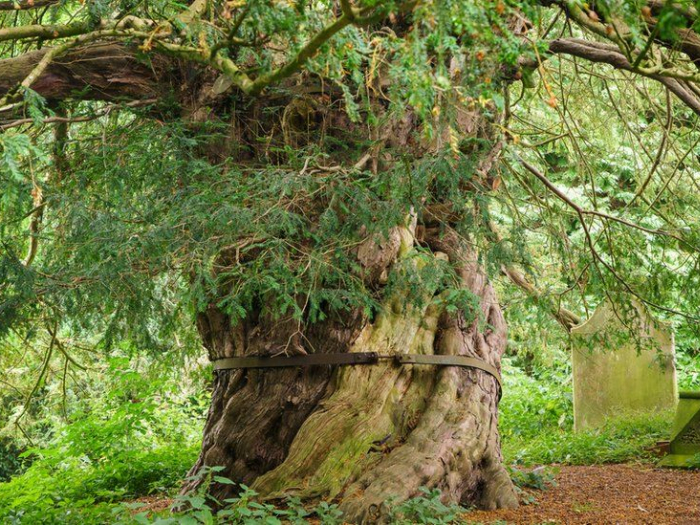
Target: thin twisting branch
[566, 318]
[26, 4]
[596, 213]
[45, 32]
[581, 212]
[34, 223]
[609, 54]
[659, 153]
[350, 16]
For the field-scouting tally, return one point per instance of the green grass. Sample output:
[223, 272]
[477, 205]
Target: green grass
[625, 439]
[537, 426]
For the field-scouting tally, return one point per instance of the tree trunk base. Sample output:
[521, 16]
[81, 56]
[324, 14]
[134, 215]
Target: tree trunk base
[369, 436]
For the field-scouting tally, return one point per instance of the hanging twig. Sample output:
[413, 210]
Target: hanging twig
[581, 214]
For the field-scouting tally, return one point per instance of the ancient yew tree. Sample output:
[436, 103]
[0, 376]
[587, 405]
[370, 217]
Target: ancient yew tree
[300, 178]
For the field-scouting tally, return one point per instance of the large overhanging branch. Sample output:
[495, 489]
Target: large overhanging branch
[27, 70]
[99, 71]
[684, 39]
[610, 54]
[162, 37]
[101, 62]
[17, 5]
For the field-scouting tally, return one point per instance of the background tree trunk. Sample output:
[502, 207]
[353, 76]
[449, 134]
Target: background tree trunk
[365, 434]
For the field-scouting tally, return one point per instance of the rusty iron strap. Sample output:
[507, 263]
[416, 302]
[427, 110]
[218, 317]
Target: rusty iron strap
[449, 360]
[358, 358]
[350, 358]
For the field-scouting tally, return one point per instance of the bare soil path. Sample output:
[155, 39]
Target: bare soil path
[610, 494]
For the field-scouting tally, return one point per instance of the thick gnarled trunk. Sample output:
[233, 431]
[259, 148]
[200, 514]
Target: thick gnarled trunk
[365, 435]
[362, 435]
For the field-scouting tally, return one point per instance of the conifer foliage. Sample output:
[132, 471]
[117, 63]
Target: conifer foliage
[297, 177]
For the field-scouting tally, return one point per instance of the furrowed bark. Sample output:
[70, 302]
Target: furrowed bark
[103, 71]
[366, 435]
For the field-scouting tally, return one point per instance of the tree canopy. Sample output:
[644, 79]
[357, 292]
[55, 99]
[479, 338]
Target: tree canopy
[119, 198]
[294, 177]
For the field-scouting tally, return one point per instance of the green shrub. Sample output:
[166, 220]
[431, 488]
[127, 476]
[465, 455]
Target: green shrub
[426, 508]
[534, 405]
[688, 369]
[10, 461]
[536, 423]
[75, 491]
[134, 440]
[694, 462]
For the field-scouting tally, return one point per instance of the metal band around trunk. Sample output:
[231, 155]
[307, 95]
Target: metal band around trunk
[357, 358]
[350, 358]
[449, 360]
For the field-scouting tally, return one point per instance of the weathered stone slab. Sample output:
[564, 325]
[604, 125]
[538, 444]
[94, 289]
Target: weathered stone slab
[685, 436]
[614, 374]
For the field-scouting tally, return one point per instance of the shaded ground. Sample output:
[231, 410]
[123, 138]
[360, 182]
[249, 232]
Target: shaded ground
[153, 504]
[600, 494]
[610, 494]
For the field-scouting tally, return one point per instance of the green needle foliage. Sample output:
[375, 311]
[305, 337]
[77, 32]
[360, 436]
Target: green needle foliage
[134, 226]
[140, 231]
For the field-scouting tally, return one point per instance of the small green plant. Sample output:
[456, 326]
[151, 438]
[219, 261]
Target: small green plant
[694, 462]
[538, 478]
[328, 514]
[426, 508]
[583, 507]
[200, 508]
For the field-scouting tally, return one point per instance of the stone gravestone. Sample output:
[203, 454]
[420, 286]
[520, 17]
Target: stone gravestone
[685, 436]
[613, 374]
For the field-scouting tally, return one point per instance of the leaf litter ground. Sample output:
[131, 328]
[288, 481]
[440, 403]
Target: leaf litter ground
[609, 494]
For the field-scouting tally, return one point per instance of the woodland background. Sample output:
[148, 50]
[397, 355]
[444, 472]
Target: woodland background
[110, 409]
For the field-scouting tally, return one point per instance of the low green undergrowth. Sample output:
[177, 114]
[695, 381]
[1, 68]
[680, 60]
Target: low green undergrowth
[79, 490]
[135, 438]
[247, 509]
[244, 509]
[536, 422]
